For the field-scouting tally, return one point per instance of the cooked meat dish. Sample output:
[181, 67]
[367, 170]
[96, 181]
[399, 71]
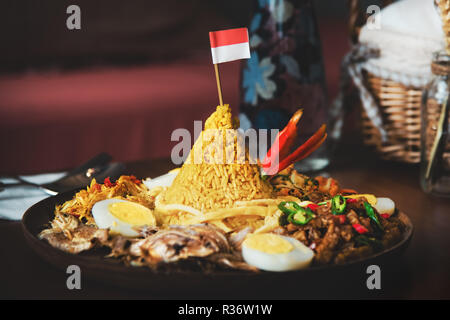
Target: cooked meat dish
[334, 239]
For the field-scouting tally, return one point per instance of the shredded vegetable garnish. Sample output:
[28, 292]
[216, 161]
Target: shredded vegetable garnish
[126, 187]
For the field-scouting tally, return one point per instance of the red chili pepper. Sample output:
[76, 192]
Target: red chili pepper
[135, 180]
[348, 191]
[108, 183]
[311, 145]
[284, 140]
[278, 157]
[312, 206]
[385, 215]
[351, 200]
[97, 187]
[341, 218]
[73, 214]
[360, 228]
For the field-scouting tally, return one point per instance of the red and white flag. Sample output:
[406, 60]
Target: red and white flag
[229, 45]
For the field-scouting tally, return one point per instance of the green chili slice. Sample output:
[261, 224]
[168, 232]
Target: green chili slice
[373, 215]
[338, 205]
[301, 217]
[294, 213]
[288, 207]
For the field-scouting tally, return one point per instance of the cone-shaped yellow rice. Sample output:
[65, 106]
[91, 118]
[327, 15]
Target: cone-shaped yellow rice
[217, 173]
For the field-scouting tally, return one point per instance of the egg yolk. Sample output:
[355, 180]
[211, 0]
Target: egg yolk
[268, 243]
[131, 213]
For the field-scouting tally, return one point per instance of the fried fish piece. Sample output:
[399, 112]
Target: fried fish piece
[70, 235]
[181, 242]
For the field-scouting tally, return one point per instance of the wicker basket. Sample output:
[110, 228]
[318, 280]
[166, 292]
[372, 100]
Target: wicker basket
[399, 107]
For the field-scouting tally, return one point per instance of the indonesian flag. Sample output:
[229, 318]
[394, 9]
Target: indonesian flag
[229, 45]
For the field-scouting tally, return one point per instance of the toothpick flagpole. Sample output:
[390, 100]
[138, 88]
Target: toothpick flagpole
[219, 88]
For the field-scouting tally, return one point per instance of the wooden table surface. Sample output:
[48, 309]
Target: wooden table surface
[421, 272]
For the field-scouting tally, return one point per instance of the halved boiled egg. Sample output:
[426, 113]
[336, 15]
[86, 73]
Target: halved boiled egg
[272, 252]
[121, 216]
[385, 206]
[165, 180]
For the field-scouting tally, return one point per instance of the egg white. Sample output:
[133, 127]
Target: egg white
[105, 220]
[165, 180]
[385, 206]
[298, 258]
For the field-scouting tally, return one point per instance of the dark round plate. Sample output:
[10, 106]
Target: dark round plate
[94, 264]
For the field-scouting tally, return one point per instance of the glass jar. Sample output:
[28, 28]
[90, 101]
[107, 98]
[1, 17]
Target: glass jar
[435, 143]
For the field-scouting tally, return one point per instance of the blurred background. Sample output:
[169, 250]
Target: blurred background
[133, 73]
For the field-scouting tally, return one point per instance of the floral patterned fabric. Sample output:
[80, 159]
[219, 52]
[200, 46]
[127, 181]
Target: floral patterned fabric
[285, 71]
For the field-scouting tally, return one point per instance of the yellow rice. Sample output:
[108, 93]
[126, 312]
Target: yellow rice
[212, 182]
